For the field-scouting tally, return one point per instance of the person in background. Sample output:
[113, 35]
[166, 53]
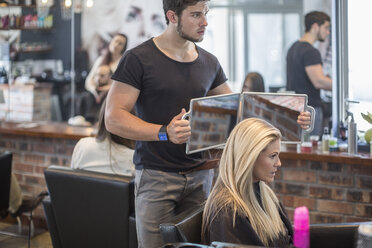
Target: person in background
[160, 77]
[15, 196]
[106, 153]
[253, 82]
[304, 65]
[242, 208]
[111, 57]
[88, 104]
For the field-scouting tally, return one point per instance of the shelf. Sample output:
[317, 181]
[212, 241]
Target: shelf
[26, 29]
[17, 5]
[36, 50]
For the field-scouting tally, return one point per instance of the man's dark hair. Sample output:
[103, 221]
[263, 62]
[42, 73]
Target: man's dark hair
[178, 6]
[315, 17]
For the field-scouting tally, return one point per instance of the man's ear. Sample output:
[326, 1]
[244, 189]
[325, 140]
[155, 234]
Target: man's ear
[315, 26]
[172, 17]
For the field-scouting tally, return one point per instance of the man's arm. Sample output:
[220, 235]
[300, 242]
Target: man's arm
[317, 77]
[221, 89]
[118, 119]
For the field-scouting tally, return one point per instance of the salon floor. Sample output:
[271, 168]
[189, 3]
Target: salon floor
[39, 241]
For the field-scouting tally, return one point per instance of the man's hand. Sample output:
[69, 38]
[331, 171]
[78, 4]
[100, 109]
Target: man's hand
[304, 120]
[179, 130]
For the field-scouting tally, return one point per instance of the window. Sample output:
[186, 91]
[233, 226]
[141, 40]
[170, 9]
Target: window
[360, 51]
[253, 35]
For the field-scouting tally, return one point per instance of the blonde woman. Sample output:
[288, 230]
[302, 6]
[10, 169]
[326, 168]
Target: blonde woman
[242, 208]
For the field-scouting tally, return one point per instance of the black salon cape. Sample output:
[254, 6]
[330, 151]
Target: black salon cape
[222, 229]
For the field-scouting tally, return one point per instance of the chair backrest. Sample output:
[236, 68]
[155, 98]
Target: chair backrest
[340, 235]
[186, 230]
[90, 209]
[5, 177]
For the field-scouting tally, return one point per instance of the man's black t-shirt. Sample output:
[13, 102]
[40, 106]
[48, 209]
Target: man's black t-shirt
[300, 55]
[166, 86]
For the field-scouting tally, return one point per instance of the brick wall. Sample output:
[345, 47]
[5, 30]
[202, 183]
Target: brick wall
[332, 192]
[31, 156]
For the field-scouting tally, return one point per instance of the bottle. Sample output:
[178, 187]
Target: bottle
[364, 236]
[301, 235]
[325, 139]
[352, 137]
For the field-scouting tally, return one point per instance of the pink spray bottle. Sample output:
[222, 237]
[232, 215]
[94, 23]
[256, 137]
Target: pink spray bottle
[301, 237]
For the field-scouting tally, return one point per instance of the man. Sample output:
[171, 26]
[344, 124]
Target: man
[89, 104]
[160, 77]
[304, 64]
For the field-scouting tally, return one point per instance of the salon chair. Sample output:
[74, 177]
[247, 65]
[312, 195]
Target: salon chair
[187, 229]
[89, 209]
[330, 235]
[27, 206]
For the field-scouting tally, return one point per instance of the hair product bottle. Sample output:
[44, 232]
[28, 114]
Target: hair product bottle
[301, 236]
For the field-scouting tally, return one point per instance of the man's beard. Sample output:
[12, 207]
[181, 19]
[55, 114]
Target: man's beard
[320, 38]
[185, 36]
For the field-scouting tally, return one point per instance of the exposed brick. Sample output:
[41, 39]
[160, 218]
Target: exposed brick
[19, 177]
[27, 189]
[338, 194]
[315, 165]
[34, 159]
[278, 175]
[299, 176]
[296, 201]
[357, 219]
[359, 196]
[363, 210]
[43, 148]
[361, 169]
[334, 167]
[320, 218]
[39, 169]
[35, 180]
[364, 182]
[296, 189]
[51, 161]
[326, 193]
[65, 150]
[24, 146]
[336, 179]
[23, 167]
[279, 187]
[335, 207]
[288, 163]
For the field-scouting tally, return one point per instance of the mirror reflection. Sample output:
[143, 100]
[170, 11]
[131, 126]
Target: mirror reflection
[211, 120]
[281, 110]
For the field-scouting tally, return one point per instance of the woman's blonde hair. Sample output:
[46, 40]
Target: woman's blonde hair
[234, 186]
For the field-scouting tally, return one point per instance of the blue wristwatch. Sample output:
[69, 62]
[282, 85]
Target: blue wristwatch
[163, 136]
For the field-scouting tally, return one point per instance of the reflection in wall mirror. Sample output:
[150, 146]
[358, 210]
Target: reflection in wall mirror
[281, 110]
[211, 120]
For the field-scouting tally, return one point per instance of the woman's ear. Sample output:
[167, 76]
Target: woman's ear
[172, 17]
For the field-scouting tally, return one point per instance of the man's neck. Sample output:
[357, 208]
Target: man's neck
[308, 37]
[176, 47]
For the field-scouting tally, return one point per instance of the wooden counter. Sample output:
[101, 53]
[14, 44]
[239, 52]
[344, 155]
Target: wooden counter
[291, 152]
[35, 146]
[59, 130]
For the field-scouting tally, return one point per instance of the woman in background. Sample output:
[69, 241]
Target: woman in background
[106, 153]
[111, 57]
[242, 208]
[253, 82]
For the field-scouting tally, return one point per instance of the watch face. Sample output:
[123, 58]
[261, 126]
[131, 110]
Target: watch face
[163, 137]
